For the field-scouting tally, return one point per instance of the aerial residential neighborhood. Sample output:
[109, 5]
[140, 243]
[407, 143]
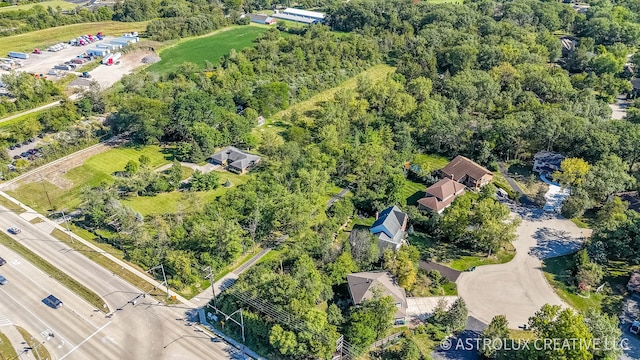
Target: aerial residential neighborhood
[344, 180]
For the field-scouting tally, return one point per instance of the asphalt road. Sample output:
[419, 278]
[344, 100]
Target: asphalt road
[148, 330]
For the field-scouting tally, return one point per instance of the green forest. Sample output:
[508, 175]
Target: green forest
[486, 79]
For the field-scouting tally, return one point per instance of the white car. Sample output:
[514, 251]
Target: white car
[635, 327]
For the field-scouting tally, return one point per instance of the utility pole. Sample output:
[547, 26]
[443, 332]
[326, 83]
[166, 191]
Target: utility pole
[46, 192]
[164, 277]
[64, 219]
[213, 285]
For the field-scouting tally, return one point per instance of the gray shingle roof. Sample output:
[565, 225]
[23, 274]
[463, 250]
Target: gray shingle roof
[388, 226]
[235, 158]
[362, 285]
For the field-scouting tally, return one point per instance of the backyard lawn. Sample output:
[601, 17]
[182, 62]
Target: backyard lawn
[95, 170]
[208, 48]
[412, 191]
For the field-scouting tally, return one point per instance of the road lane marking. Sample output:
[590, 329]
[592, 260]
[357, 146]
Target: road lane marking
[85, 340]
[35, 316]
[45, 290]
[4, 321]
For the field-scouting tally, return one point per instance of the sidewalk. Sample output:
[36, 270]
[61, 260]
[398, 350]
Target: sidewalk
[33, 214]
[237, 345]
[229, 279]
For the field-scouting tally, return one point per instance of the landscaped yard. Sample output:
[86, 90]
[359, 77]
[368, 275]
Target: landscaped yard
[95, 170]
[456, 257]
[208, 48]
[558, 272]
[412, 191]
[42, 38]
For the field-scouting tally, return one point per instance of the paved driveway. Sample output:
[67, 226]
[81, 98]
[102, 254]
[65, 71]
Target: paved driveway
[518, 288]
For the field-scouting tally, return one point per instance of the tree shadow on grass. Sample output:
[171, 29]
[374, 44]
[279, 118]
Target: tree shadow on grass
[413, 199]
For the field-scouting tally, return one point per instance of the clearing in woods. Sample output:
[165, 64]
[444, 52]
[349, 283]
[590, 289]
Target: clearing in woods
[207, 48]
[42, 38]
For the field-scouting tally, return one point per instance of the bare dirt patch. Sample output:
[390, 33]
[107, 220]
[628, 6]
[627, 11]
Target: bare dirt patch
[107, 75]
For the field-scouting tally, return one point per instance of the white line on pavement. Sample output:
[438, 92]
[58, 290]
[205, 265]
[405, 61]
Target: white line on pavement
[35, 316]
[85, 340]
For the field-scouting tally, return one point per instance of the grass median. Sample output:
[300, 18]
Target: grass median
[73, 285]
[6, 348]
[100, 259]
[39, 350]
[11, 205]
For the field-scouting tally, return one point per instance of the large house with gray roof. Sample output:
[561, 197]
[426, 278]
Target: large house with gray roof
[235, 160]
[389, 228]
[363, 286]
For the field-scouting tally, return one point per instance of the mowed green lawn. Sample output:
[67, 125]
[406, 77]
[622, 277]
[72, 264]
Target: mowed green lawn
[169, 202]
[53, 3]
[209, 48]
[95, 170]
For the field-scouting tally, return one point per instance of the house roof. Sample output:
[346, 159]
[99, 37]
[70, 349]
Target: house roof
[435, 205]
[632, 198]
[549, 157]
[444, 189]
[388, 226]
[635, 83]
[235, 157]
[632, 285]
[258, 17]
[362, 285]
[306, 13]
[461, 166]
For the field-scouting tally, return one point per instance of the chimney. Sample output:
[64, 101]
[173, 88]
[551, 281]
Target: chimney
[376, 215]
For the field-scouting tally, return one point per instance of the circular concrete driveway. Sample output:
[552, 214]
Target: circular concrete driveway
[518, 288]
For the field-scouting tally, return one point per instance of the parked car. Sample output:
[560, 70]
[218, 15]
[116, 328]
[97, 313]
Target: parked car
[16, 157]
[635, 327]
[18, 145]
[2, 261]
[3, 280]
[52, 301]
[12, 147]
[14, 230]
[471, 268]
[41, 135]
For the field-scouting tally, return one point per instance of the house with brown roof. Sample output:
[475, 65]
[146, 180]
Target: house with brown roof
[364, 285]
[467, 172]
[634, 283]
[440, 195]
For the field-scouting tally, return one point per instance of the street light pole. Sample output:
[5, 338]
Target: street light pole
[164, 276]
[213, 285]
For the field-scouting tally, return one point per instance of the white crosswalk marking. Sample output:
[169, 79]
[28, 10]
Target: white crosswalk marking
[4, 321]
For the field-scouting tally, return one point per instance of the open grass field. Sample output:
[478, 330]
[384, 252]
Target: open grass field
[39, 351]
[374, 73]
[52, 3]
[71, 283]
[169, 202]
[42, 38]
[95, 170]
[208, 48]
[6, 348]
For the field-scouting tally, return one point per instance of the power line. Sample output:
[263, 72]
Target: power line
[345, 349]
